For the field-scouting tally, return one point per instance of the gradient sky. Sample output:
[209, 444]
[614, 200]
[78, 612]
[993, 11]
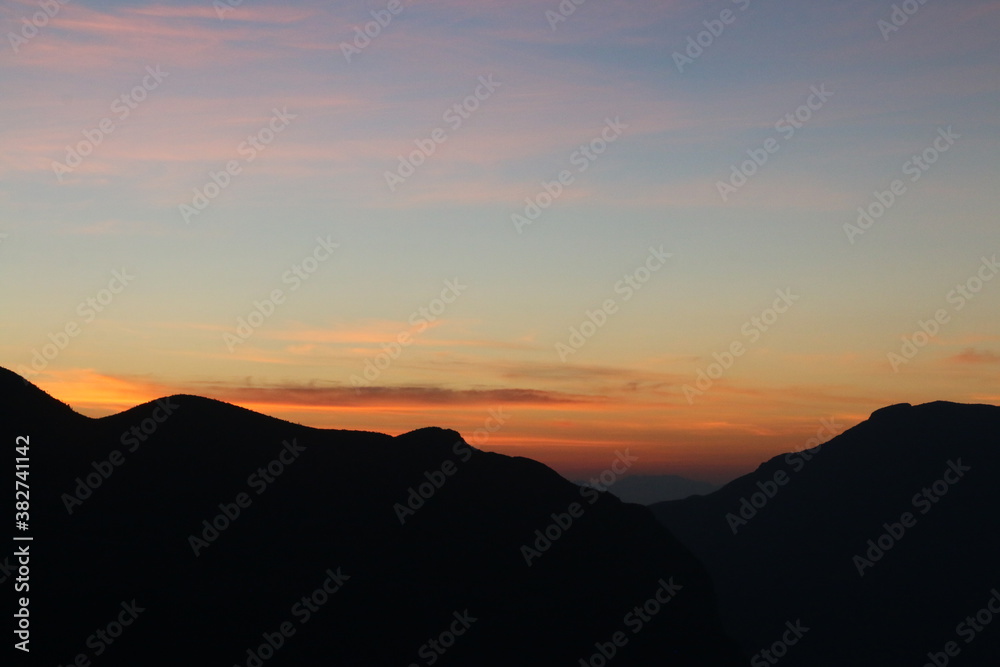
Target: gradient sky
[493, 349]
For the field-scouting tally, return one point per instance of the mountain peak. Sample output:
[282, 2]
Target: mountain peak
[891, 411]
[22, 398]
[431, 433]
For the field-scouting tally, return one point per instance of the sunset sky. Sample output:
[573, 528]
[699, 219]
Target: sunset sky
[168, 169]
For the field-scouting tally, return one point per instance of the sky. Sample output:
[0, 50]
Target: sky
[703, 232]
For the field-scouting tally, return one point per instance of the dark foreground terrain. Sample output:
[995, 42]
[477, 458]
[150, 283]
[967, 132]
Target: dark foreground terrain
[192, 532]
[884, 543]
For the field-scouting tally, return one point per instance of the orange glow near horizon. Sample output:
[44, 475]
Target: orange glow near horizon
[576, 439]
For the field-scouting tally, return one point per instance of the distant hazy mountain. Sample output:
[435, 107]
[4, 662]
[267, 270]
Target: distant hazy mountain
[192, 532]
[881, 547]
[649, 489]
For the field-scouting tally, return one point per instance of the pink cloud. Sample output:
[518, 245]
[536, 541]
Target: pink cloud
[80, 39]
[245, 12]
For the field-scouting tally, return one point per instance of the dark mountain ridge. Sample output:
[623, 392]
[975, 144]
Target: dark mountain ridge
[881, 541]
[649, 489]
[190, 531]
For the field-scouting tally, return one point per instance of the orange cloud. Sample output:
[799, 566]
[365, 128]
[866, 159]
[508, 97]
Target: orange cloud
[971, 355]
[372, 331]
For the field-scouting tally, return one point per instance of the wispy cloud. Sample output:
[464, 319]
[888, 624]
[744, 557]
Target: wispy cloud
[971, 355]
[319, 396]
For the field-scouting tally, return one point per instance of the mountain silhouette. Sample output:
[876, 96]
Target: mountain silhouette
[880, 547]
[190, 531]
[650, 489]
